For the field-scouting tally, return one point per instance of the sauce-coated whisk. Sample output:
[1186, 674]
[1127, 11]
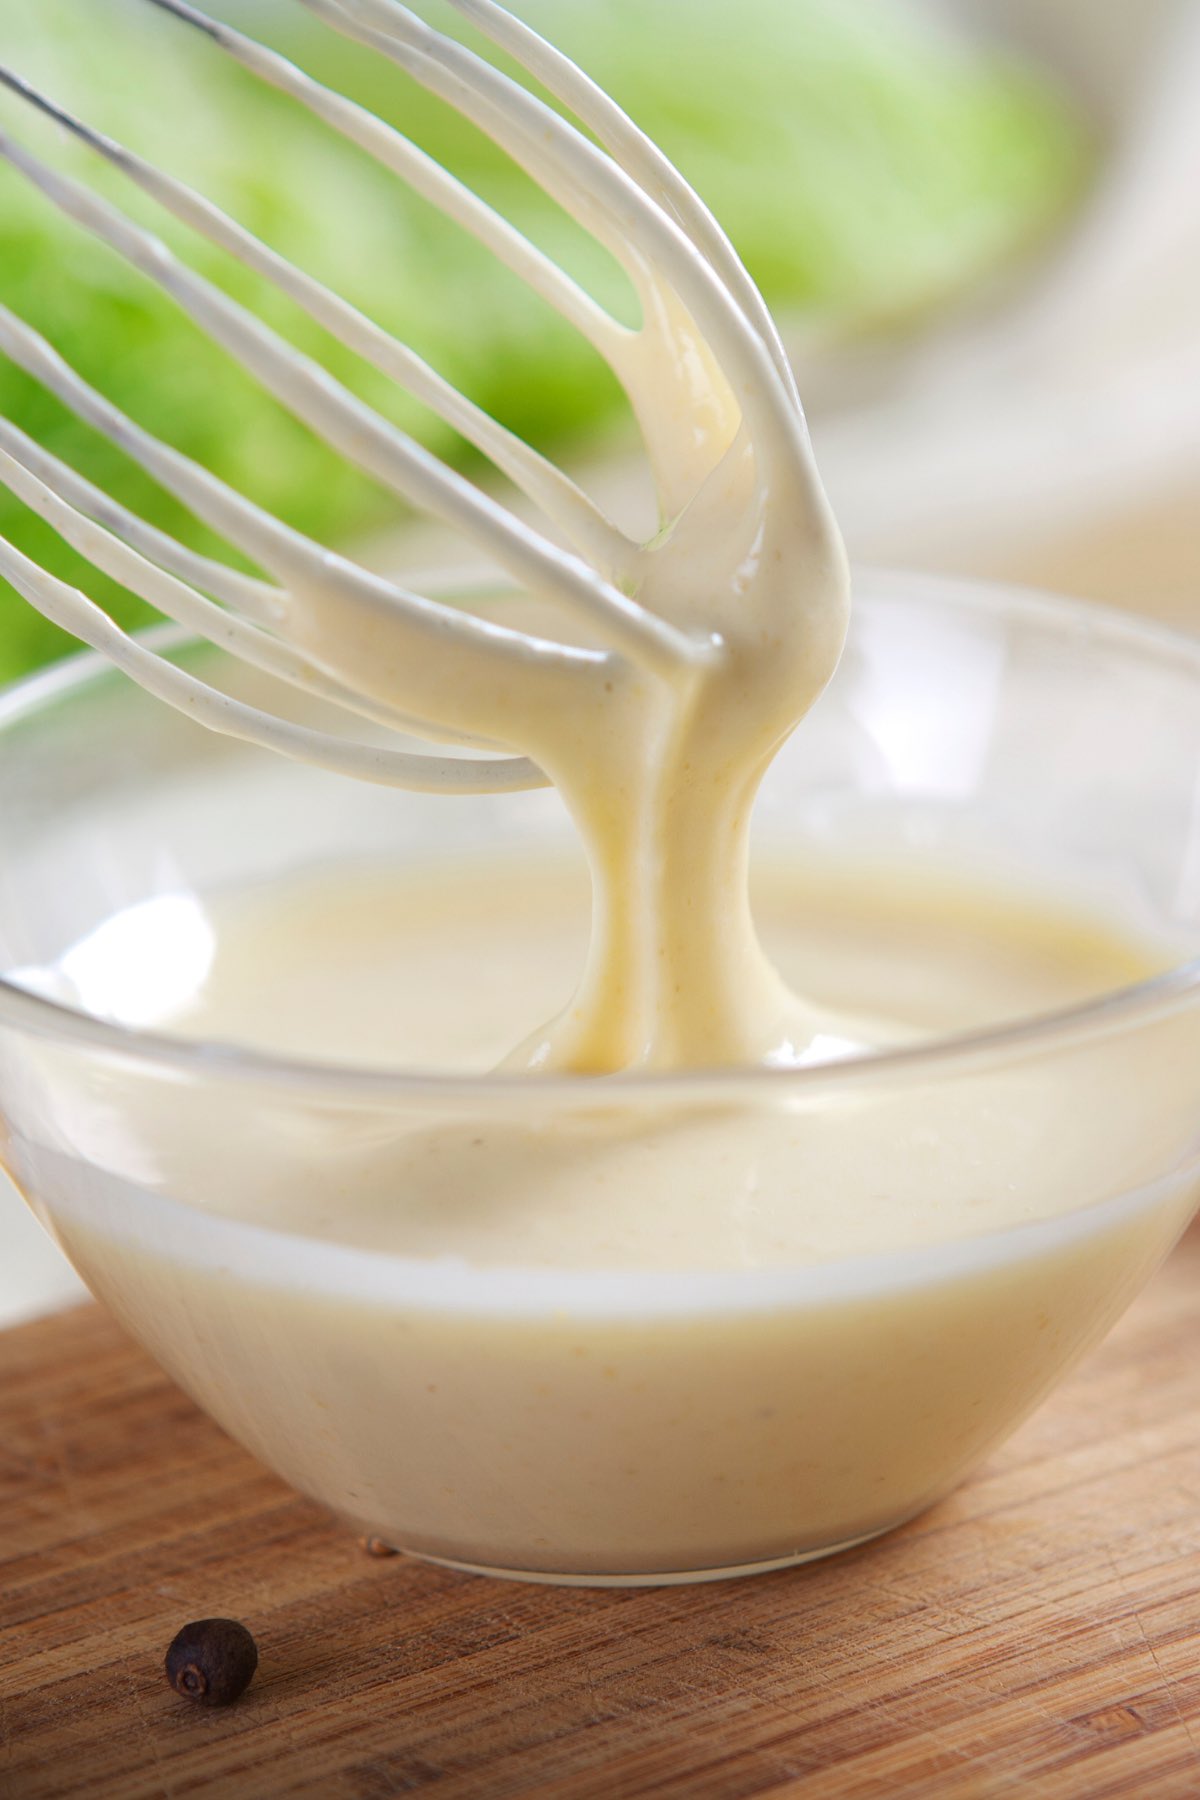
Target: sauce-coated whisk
[446, 663]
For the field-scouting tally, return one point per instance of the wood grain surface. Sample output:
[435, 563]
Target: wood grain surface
[1036, 1635]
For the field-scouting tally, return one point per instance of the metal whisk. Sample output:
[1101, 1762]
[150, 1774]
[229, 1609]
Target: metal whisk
[447, 658]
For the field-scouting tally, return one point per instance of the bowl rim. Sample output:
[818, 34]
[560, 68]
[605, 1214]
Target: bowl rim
[1170, 991]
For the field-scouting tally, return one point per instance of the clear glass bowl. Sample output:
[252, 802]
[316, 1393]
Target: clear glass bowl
[630, 1424]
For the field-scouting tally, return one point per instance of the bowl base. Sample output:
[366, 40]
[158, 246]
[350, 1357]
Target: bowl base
[665, 1578]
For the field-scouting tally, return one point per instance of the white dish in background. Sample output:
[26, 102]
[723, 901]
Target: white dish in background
[1056, 437]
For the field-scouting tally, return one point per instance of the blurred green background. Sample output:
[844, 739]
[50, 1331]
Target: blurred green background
[869, 168]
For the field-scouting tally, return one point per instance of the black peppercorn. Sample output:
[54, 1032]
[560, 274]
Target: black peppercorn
[212, 1660]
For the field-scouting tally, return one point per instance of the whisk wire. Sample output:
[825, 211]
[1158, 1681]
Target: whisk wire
[360, 433]
[444, 658]
[224, 714]
[638, 154]
[421, 172]
[559, 498]
[44, 491]
[258, 600]
[597, 188]
[454, 651]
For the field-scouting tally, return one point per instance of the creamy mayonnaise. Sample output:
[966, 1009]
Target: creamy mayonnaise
[443, 969]
[650, 1336]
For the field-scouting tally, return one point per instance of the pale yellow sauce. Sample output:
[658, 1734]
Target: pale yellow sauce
[446, 969]
[625, 1339]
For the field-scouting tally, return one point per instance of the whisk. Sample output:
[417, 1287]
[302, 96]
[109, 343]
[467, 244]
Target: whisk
[446, 663]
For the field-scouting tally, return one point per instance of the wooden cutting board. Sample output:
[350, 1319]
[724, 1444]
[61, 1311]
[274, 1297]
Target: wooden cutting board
[1038, 1634]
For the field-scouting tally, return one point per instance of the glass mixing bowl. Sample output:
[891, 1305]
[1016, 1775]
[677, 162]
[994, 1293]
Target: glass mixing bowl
[626, 1424]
